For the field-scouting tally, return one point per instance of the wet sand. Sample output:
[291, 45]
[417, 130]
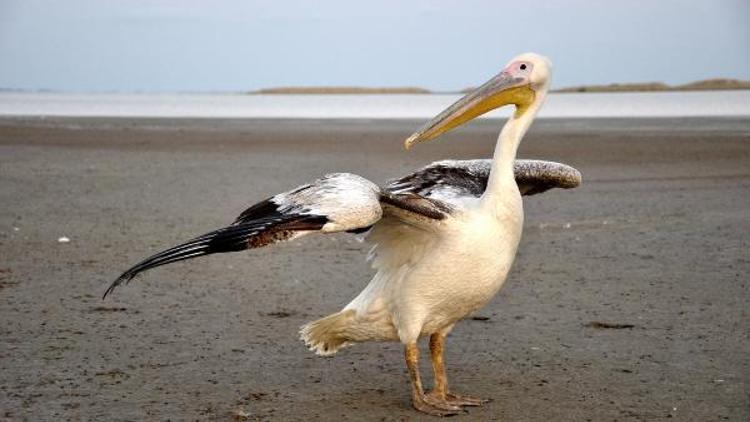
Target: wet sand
[628, 300]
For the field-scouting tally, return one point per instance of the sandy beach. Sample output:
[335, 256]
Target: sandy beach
[628, 300]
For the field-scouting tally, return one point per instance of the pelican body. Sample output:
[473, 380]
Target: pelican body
[444, 237]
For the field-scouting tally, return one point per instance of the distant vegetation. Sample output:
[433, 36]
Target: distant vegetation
[715, 84]
[708, 84]
[341, 90]
[635, 87]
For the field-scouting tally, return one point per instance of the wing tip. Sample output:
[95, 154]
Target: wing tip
[123, 279]
[576, 178]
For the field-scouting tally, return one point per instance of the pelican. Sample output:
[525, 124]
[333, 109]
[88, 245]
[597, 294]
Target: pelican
[444, 237]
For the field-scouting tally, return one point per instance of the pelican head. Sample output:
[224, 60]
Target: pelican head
[522, 82]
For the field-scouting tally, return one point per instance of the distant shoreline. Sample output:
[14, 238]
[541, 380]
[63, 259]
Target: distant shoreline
[336, 90]
[646, 104]
[702, 85]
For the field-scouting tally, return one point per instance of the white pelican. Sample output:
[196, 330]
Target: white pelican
[444, 237]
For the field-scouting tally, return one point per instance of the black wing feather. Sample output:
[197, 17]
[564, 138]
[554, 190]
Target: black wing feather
[237, 237]
[335, 202]
[469, 177]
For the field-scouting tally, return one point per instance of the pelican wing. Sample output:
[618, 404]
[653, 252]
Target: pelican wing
[340, 202]
[344, 202]
[452, 180]
[537, 176]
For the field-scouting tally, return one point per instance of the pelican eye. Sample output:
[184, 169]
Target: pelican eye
[523, 66]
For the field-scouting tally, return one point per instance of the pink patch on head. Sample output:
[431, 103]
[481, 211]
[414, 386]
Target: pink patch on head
[519, 66]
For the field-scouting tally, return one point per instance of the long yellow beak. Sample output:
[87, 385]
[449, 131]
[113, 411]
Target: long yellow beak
[499, 91]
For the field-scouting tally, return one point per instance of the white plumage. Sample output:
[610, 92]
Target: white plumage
[444, 237]
[347, 200]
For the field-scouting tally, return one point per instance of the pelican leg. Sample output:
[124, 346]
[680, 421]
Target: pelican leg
[421, 401]
[440, 392]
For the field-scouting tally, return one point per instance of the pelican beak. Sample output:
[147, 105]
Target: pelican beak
[499, 91]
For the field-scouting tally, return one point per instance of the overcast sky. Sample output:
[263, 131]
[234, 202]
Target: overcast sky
[231, 45]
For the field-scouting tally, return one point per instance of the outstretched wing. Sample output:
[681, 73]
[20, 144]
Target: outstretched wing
[334, 203]
[537, 176]
[347, 202]
[450, 180]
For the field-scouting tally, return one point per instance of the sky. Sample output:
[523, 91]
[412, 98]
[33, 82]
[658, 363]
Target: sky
[442, 45]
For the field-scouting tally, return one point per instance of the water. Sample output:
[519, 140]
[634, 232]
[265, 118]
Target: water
[641, 104]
